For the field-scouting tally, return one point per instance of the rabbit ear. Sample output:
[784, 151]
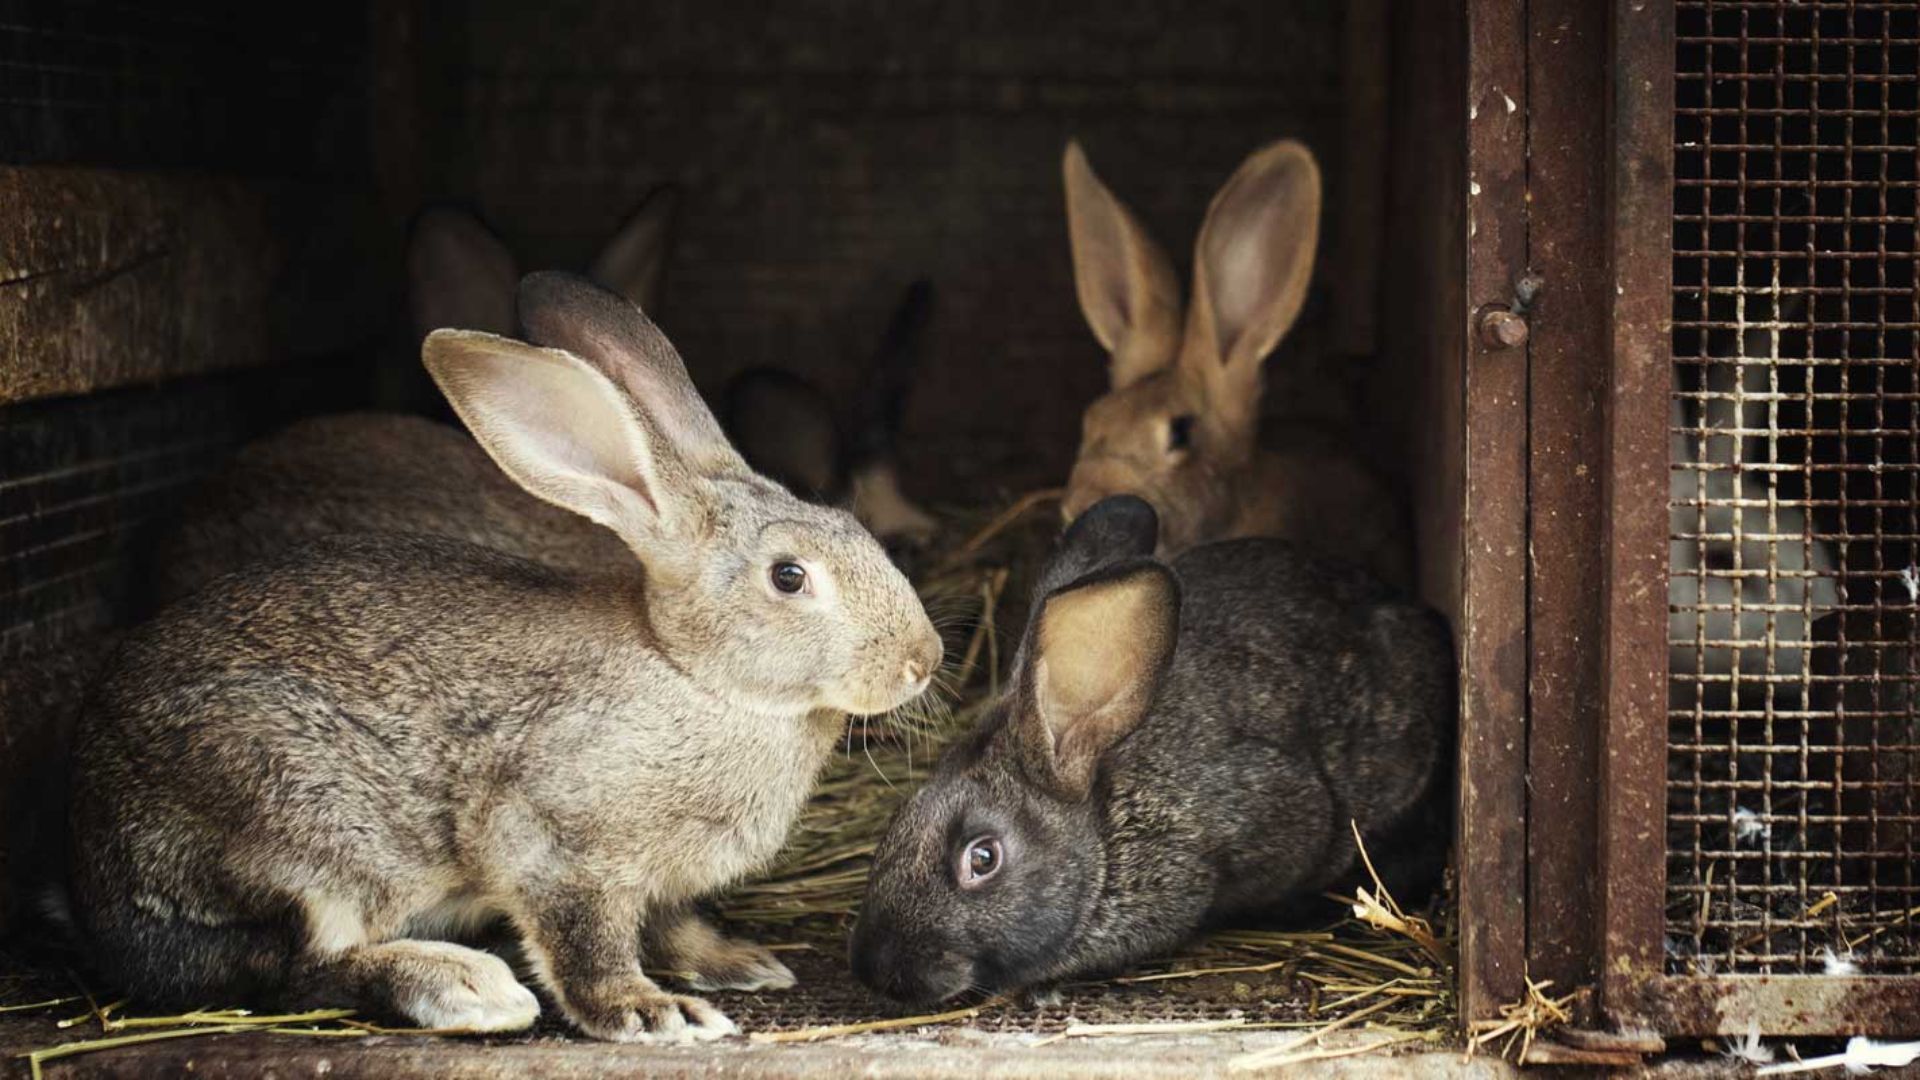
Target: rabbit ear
[563, 431]
[1252, 265]
[634, 261]
[459, 274]
[1118, 528]
[1100, 651]
[1126, 285]
[564, 311]
[883, 397]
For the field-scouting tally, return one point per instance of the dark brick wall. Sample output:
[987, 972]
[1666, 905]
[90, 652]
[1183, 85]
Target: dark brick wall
[832, 150]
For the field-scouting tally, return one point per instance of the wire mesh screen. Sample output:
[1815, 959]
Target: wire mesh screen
[1794, 738]
[220, 84]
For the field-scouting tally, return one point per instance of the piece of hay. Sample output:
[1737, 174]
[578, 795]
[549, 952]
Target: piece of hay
[1380, 910]
[834, 1031]
[1523, 1021]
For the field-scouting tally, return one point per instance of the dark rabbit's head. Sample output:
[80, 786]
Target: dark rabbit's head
[986, 876]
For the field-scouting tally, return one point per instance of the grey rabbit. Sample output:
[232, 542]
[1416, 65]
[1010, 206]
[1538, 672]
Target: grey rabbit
[409, 471]
[292, 780]
[396, 472]
[1181, 744]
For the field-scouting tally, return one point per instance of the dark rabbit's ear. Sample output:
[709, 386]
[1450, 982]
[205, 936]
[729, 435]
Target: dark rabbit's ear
[634, 261]
[783, 425]
[1116, 529]
[1097, 652]
[459, 274]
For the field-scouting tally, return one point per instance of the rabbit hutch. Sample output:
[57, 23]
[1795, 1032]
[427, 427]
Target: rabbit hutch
[1618, 295]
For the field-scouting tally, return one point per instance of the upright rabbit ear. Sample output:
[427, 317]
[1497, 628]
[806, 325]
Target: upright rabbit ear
[1100, 651]
[1118, 528]
[459, 274]
[1252, 265]
[1126, 285]
[634, 261]
[564, 311]
[563, 431]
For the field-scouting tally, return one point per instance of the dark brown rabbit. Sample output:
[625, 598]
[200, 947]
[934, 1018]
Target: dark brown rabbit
[1182, 744]
[291, 781]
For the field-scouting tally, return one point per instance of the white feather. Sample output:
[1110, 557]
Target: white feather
[1748, 1048]
[1836, 964]
[1862, 1056]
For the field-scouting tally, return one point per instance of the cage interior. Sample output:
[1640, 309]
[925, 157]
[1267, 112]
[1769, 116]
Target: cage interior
[1792, 798]
[824, 156]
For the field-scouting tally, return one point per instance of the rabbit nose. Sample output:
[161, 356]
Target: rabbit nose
[918, 670]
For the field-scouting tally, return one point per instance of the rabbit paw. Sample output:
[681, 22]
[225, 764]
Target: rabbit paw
[738, 965]
[440, 985]
[639, 1013]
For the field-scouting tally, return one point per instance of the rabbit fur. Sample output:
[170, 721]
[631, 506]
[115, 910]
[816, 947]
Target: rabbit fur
[1183, 743]
[289, 782]
[1180, 425]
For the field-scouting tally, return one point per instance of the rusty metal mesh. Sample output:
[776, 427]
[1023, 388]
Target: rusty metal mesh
[1794, 735]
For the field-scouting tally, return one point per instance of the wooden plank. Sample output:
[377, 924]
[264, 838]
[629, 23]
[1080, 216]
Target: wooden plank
[1358, 233]
[1417, 396]
[1784, 1005]
[110, 278]
[1493, 719]
[1566, 242]
[1634, 582]
[416, 49]
[1455, 206]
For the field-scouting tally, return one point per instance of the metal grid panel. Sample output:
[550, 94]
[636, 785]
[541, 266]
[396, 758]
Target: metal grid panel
[234, 86]
[1793, 733]
[83, 480]
[827, 995]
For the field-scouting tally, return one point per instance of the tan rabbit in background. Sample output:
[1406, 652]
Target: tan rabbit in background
[1180, 426]
[290, 781]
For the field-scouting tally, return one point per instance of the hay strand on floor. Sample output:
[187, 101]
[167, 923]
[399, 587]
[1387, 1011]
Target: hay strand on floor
[835, 1031]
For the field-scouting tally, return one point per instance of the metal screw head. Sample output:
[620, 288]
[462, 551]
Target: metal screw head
[1502, 329]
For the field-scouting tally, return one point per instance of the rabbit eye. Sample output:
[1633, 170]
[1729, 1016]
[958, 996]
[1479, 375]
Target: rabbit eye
[980, 861]
[789, 577]
[1179, 433]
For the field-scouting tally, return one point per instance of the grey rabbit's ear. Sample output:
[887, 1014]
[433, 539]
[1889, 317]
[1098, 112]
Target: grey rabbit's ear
[564, 432]
[566, 311]
[634, 261]
[1099, 651]
[459, 274]
[1116, 529]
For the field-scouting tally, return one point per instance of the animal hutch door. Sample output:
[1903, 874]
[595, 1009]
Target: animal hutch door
[1758, 794]
[1686, 522]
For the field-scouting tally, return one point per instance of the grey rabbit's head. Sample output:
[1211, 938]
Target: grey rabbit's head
[985, 876]
[793, 606]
